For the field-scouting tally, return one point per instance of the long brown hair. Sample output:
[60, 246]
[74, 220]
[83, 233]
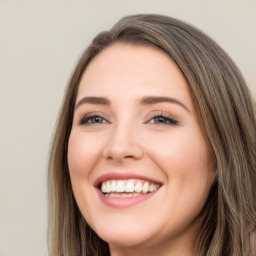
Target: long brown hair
[226, 112]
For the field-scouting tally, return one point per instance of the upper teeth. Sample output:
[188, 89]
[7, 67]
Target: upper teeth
[137, 186]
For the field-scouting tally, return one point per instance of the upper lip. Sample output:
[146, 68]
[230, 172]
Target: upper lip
[122, 176]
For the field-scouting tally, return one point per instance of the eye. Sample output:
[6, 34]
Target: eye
[160, 119]
[93, 119]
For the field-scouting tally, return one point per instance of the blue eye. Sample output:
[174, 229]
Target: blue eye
[93, 119]
[160, 119]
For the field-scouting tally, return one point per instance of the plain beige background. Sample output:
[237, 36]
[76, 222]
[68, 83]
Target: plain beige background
[40, 42]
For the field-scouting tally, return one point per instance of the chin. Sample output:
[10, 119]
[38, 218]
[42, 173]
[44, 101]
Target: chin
[124, 238]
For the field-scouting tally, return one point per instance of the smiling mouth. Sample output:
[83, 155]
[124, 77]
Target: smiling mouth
[127, 188]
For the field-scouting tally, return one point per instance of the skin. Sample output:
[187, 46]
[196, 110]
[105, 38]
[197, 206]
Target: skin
[127, 138]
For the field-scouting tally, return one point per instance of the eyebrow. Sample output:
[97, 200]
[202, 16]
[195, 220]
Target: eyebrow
[93, 100]
[149, 100]
[158, 99]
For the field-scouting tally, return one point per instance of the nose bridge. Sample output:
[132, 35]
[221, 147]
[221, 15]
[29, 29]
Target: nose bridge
[123, 141]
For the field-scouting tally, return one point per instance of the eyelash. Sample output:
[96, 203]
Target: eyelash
[88, 120]
[164, 120]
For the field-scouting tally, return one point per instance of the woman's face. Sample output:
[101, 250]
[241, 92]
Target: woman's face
[139, 164]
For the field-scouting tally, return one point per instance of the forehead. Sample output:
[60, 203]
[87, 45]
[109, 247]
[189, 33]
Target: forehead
[129, 70]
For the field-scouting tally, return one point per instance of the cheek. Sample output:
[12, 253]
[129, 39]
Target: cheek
[180, 149]
[186, 161]
[82, 156]
[83, 152]
[187, 165]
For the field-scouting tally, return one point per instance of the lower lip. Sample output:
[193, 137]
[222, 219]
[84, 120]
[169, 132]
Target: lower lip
[125, 201]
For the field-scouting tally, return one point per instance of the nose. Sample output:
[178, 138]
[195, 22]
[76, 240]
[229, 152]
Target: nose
[123, 143]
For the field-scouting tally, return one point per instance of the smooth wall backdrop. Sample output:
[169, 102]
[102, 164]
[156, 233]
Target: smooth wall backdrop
[40, 42]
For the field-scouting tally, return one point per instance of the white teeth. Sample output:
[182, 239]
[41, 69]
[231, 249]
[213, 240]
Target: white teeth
[120, 186]
[113, 186]
[108, 186]
[145, 187]
[103, 188]
[122, 195]
[151, 187]
[128, 188]
[138, 187]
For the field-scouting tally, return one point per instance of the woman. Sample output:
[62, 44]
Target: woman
[154, 149]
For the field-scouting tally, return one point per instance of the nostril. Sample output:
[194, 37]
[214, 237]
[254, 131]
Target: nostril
[128, 156]
[121, 152]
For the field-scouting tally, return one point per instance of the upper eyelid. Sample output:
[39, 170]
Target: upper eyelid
[161, 113]
[92, 113]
